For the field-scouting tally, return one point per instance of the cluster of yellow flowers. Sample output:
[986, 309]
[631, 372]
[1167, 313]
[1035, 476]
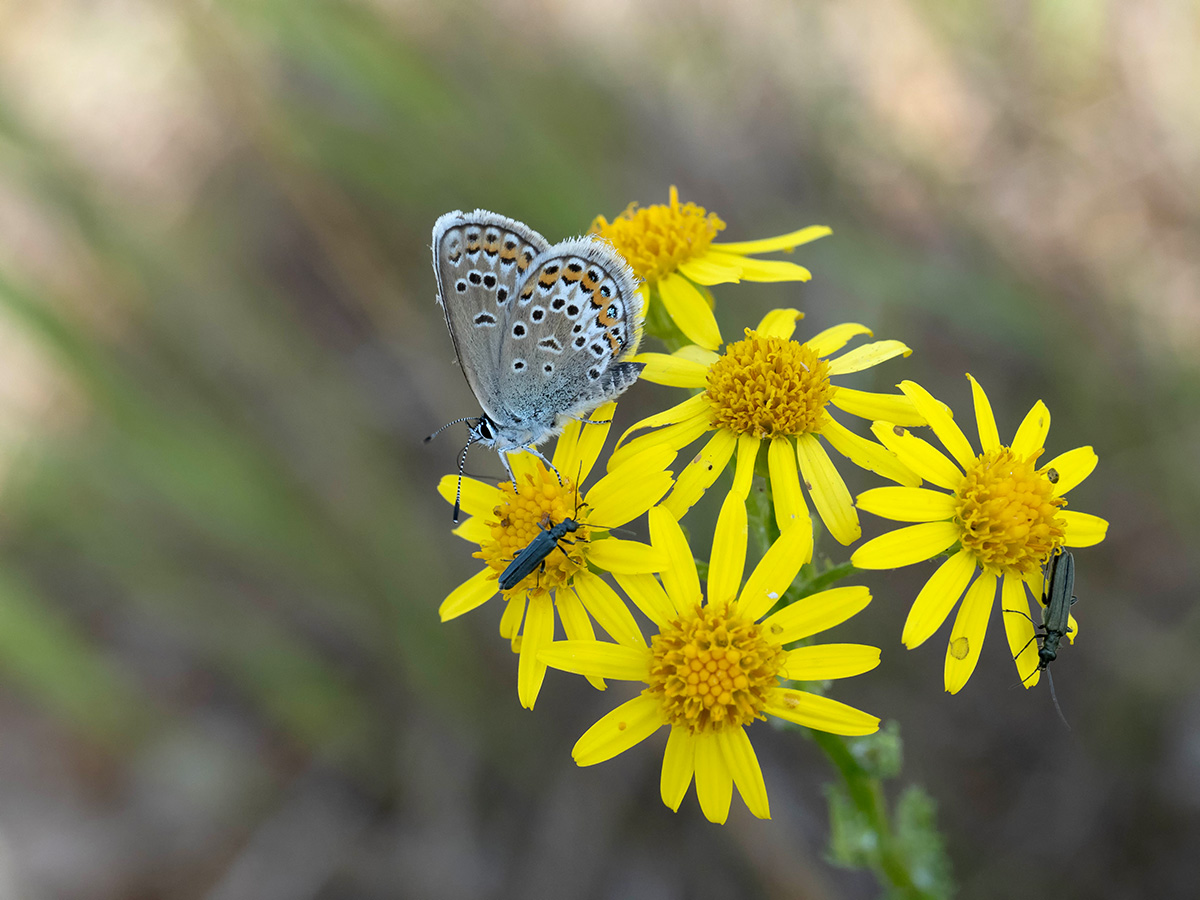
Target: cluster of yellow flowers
[724, 651]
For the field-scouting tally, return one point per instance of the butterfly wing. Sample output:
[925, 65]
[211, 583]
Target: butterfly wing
[577, 318]
[480, 259]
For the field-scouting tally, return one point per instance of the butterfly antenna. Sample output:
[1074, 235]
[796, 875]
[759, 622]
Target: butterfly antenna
[462, 463]
[447, 425]
[1054, 697]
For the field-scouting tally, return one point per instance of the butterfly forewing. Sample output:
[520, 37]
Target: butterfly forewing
[481, 259]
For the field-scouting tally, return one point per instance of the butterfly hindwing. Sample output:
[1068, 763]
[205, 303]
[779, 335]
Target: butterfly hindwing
[481, 259]
[578, 316]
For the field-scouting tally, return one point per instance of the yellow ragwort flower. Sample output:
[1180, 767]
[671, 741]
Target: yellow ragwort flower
[1004, 512]
[771, 389]
[507, 517]
[714, 668]
[671, 249]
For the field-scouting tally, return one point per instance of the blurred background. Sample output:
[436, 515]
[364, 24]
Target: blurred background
[222, 674]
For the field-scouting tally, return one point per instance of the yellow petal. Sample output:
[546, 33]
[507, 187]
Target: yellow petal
[989, 435]
[867, 356]
[938, 596]
[787, 242]
[908, 504]
[475, 529]
[606, 607]
[922, 457]
[690, 311]
[714, 783]
[785, 484]
[829, 493]
[747, 456]
[1083, 530]
[728, 558]
[473, 592]
[763, 269]
[895, 408]
[779, 323]
[671, 370]
[941, 420]
[867, 454]
[679, 577]
[679, 414]
[1072, 467]
[679, 763]
[699, 474]
[970, 627]
[743, 765]
[1031, 435]
[1018, 628]
[579, 446]
[538, 632]
[905, 546]
[627, 725]
[819, 713]
[695, 354]
[824, 662]
[599, 659]
[576, 624]
[478, 499]
[707, 271]
[831, 340]
[523, 465]
[615, 555]
[629, 490]
[816, 613]
[648, 596]
[776, 570]
[514, 614]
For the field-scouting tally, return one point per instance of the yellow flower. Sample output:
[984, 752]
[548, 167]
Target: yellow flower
[714, 668]
[771, 389]
[671, 249]
[1004, 512]
[507, 517]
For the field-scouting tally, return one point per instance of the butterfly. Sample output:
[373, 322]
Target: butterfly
[543, 332]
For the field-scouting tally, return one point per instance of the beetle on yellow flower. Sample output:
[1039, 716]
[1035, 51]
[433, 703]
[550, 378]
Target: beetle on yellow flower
[714, 667]
[671, 248]
[1005, 514]
[507, 517]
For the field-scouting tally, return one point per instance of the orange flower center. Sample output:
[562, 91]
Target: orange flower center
[525, 510]
[768, 387]
[712, 669]
[656, 239]
[1006, 510]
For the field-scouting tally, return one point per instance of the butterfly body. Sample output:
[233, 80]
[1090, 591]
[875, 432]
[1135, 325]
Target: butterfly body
[542, 331]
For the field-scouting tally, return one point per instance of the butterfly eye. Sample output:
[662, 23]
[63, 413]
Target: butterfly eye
[572, 310]
[461, 286]
[501, 294]
[605, 292]
[489, 281]
[519, 330]
[474, 277]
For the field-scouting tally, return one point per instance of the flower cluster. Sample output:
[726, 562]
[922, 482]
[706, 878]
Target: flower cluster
[730, 649]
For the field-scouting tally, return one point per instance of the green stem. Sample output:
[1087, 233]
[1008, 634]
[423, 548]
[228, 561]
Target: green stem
[866, 792]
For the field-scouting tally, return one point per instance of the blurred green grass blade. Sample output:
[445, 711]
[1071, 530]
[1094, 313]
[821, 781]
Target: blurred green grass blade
[67, 674]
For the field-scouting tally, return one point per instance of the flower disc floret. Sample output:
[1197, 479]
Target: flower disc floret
[1008, 513]
[534, 503]
[769, 387]
[655, 240]
[712, 670]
